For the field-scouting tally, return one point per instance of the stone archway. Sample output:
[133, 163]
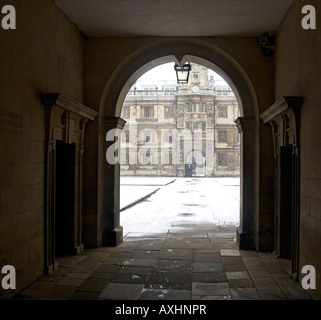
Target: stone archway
[127, 72]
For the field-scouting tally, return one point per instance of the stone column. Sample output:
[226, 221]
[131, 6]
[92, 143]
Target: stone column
[110, 231]
[245, 232]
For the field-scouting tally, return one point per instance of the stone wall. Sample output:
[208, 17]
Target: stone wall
[44, 54]
[298, 68]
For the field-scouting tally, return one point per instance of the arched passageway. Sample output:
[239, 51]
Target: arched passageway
[159, 52]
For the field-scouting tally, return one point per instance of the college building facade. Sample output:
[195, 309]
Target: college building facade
[181, 129]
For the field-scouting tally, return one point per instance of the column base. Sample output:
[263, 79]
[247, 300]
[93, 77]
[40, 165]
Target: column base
[112, 238]
[244, 240]
[52, 267]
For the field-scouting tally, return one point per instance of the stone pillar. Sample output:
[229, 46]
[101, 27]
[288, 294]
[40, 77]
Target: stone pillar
[110, 231]
[245, 232]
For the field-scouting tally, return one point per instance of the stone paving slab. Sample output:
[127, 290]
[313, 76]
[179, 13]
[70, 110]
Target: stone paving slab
[244, 294]
[165, 294]
[139, 262]
[141, 271]
[240, 283]
[230, 253]
[144, 254]
[272, 294]
[210, 289]
[238, 275]
[196, 266]
[84, 296]
[102, 276]
[209, 277]
[234, 267]
[73, 279]
[121, 291]
[207, 257]
[94, 285]
[172, 286]
[166, 277]
[207, 267]
[175, 254]
[171, 264]
[232, 260]
[202, 297]
[128, 278]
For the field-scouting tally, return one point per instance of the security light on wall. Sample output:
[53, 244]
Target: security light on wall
[182, 72]
[267, 44]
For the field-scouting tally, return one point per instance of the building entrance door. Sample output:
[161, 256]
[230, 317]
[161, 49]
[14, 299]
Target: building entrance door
[285, 208]
[65, 199]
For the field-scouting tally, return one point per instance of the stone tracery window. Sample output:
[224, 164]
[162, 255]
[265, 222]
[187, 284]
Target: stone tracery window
[222, 112]
[147, 112]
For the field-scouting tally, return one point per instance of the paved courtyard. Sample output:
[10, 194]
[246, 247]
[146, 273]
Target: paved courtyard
[177, 248]
[182, 204]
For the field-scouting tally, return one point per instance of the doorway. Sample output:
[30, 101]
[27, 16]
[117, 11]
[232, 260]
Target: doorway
[285, 210]
[65, 199]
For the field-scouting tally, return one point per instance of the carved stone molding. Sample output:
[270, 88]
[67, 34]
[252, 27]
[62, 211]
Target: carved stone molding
[114, 123]
[245, 124]
[65, 122]
[65, 119]
[284, 118]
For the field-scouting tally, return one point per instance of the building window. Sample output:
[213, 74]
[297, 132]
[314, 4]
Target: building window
[125, 113]
[168, 137]
[222, 136]
[147, 136]
[125, 136]
[169, 112]
[188, 107]
[168, 159]
[195, 107]
[147, 112]
[203, 125]
[194, 126]
[127, 158]
[222, 161]
[222, 112]
[203, 107]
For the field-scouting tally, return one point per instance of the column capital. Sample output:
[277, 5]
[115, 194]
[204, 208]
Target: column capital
[282, 106]
[114, 123]
[243, 123]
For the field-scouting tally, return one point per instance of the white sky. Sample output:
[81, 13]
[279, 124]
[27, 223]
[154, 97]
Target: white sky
[166, 72]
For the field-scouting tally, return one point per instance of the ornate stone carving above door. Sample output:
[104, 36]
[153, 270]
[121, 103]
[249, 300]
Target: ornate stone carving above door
[65, 130]
[284, 118]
